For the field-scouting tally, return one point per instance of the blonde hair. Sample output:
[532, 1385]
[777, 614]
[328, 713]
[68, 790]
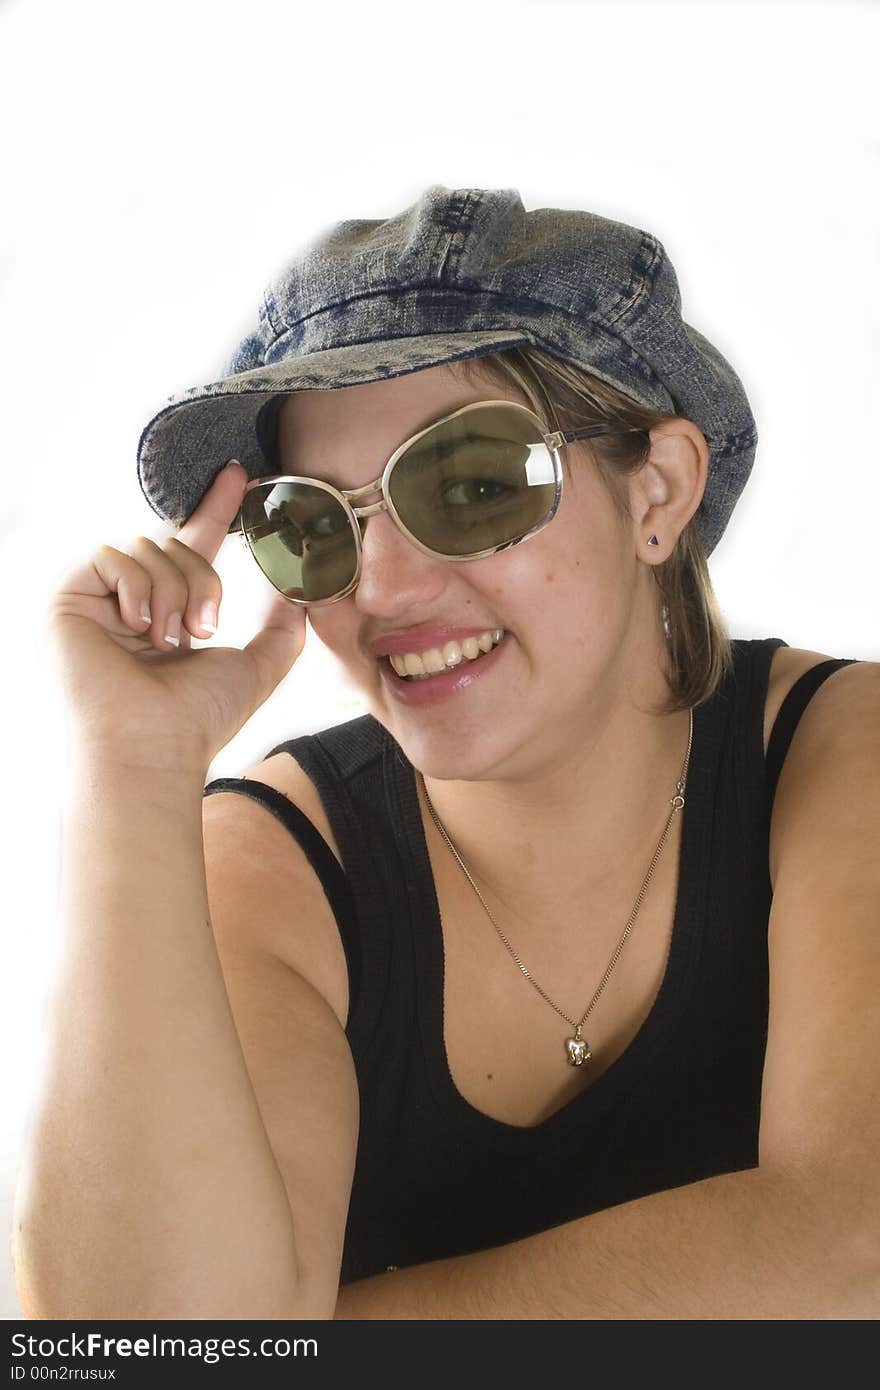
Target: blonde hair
[568, 397]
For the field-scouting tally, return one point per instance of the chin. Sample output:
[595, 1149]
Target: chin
[445, 756]
[449, 765]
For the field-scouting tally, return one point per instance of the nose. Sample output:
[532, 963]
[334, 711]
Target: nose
[395, 575]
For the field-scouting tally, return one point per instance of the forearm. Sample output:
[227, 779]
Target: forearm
[740, 1246]
[149, 1189]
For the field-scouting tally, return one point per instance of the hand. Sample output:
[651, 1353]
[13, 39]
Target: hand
[134, 695]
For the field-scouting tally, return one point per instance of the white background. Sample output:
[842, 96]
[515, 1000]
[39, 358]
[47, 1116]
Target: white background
[161, 162]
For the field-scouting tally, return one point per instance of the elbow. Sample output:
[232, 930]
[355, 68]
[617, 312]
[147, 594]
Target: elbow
[32, 1254]
[851, 1289]
[851, 1199]
[28, 1271]
[857, 1271]
[833, 1223]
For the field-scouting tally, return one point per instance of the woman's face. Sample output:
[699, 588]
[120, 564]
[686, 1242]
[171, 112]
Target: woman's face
[565, 598]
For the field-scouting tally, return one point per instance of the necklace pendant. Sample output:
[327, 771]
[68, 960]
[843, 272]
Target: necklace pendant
[577, 1049]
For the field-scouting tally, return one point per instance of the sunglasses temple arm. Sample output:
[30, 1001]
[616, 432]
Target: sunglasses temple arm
[560, 437]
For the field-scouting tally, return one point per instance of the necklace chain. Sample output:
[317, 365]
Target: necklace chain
[676, 804]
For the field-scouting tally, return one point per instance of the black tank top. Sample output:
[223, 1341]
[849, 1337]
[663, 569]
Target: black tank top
[435, 1177]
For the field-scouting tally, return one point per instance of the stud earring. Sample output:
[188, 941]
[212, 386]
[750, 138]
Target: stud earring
[652, 540]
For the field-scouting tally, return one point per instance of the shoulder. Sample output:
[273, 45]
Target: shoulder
[274, 870]
[832, 759]
[284, 773]
[346, 751]
[787, 667]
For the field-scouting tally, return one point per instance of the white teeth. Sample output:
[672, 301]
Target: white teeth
[422, 664]
[452, 654]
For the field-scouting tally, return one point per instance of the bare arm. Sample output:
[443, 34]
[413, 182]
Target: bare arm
[741, 1246]
[150, 1188]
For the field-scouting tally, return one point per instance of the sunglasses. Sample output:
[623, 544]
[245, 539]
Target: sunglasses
[472, 484]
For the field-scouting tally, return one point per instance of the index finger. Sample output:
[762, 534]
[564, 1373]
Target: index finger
[208, 526]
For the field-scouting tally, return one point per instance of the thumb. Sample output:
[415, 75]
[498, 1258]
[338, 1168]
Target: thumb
[279, 642]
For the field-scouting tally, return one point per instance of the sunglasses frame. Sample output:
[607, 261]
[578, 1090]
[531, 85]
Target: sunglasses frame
[350, 498]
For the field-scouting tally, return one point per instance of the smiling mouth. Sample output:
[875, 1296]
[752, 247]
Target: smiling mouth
[413, 666]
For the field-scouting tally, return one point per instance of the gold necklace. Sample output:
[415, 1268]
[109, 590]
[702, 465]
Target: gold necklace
[577, 1049]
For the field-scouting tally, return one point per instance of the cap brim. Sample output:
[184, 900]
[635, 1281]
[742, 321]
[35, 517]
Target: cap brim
[196, 433]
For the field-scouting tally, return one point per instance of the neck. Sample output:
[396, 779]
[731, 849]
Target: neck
[585, 825]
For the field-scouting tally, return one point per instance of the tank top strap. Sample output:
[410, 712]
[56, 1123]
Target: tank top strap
[333, 879]
[789, 715]
[345, 763]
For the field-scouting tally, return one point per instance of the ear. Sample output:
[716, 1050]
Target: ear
[668, 489]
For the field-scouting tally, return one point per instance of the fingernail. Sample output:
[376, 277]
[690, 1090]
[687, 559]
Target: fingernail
[146, 616]
[208, 618]
[173, 633]
[233, 463]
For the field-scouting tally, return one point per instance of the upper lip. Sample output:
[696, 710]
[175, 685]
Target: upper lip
[420, 639]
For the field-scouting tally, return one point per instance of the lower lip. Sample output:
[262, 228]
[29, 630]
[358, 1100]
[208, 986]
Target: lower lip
[442, 686]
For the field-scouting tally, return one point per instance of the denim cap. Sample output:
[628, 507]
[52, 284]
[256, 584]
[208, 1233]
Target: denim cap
[461, 273]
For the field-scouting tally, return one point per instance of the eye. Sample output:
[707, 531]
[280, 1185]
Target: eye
[468, 491]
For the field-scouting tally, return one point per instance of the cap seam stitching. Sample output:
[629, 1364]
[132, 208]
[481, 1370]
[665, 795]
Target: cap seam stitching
[501, 296]
[641, 286]
[270, 308]
[451, 248]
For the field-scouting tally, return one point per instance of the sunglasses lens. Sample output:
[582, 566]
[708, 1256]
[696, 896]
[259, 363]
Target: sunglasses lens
[301, 537]
[466, 487]
[479, 481]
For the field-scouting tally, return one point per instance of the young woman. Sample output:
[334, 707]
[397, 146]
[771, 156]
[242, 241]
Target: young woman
[547, 988]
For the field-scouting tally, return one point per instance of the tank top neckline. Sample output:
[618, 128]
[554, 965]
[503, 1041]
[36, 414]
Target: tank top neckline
[644, 1054]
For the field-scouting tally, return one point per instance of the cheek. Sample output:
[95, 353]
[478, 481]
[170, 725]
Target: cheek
[560, 591]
